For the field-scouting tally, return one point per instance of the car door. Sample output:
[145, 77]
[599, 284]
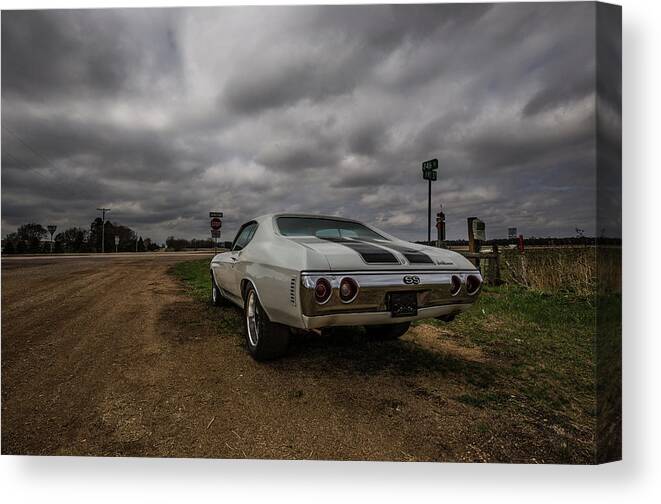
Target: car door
[234, 266]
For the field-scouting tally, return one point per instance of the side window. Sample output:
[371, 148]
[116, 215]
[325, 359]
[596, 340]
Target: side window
[244, 236]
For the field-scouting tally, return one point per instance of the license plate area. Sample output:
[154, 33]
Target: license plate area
[403, 304]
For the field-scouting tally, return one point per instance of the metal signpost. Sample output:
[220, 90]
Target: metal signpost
[51, 230]
[429, 173]
[216, 225]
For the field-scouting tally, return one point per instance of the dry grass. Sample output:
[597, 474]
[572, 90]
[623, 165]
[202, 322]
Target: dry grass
[578, 270]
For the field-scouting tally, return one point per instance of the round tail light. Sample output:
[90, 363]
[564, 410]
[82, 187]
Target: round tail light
[455, 285]
[473, 284]
[348, 290]
[322, 291]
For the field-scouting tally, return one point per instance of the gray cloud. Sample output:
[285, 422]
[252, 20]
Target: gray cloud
[165, 114]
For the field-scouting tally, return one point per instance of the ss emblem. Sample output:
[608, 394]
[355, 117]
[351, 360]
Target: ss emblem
[411, 280]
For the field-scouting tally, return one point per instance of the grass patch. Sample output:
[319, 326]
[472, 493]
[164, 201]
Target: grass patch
[546, 344]
[196, 277]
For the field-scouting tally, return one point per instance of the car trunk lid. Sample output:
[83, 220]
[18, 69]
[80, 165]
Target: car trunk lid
[348, 254]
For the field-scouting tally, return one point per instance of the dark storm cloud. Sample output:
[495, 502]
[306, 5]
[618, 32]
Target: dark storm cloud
[564, 93]
[165, 114]
[267, 88]
[49, 54]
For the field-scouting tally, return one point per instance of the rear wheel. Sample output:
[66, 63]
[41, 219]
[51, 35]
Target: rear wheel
[388, 331]
[266, 340]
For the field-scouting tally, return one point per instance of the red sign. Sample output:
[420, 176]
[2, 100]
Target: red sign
[216, 223]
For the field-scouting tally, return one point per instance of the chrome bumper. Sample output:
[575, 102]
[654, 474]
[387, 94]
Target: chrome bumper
[433, 292]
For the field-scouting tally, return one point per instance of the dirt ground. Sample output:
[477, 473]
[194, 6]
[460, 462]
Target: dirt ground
[105, 356]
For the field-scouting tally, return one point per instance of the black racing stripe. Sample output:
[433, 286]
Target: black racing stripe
[370, 253]
[417, 257]
[412, 256]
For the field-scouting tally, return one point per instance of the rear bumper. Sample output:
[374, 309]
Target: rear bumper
[379, 318]
[371, 306]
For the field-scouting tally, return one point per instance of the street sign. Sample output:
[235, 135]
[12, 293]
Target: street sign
[479, 230]
[216, 214]
[51, 229]
[216, 223]
[215, 233]
[116, 240]
[430, 165]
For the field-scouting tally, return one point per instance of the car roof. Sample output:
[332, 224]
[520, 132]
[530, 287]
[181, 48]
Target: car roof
[264, 217]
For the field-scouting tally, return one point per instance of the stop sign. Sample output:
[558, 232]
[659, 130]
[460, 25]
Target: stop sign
[216, 223]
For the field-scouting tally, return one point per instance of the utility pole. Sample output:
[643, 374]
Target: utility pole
[103, 227]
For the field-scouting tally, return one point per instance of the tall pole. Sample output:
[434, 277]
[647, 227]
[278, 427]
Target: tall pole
[429, 216]
[103, 228]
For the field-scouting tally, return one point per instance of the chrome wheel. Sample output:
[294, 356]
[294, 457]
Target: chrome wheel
[253, 319]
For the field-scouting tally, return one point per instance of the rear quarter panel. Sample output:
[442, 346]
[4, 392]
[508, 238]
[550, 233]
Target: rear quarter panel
[273, 265]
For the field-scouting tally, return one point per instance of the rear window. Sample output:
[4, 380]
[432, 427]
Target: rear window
[324, 228]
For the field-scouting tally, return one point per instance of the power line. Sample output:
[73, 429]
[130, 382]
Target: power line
[32, 149]
[25, 165]
[52, 165]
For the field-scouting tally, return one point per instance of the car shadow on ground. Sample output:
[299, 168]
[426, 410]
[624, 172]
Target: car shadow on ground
[337, 351]
[351, 349]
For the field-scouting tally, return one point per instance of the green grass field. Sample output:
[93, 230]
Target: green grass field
[541, 358]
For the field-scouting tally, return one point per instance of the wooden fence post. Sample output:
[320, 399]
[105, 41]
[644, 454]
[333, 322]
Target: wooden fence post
[473, 245]
[497, 280]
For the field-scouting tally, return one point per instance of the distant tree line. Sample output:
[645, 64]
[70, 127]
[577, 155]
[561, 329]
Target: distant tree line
[181, 243]
[33, 238]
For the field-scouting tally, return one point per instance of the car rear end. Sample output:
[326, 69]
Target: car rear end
[337, 298]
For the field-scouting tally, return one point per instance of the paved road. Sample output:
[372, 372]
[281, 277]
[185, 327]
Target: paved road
[113, 357]
[111, 257]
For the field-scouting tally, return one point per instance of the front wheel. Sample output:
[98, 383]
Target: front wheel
[388, 331]
[266, 340]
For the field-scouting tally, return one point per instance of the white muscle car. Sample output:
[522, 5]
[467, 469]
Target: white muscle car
[309, 272]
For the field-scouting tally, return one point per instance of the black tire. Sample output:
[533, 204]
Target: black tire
[265, 340]
[387, 331]
[217, 298]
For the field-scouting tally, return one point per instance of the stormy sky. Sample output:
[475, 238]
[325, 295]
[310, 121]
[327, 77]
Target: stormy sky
[165, 114]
